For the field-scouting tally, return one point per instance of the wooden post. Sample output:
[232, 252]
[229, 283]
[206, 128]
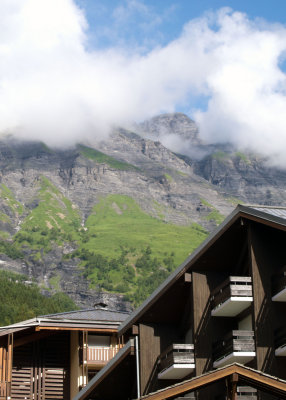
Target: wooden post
[149, 345]
[84, 357]
[232, 387]
[261, 261]
[201, 322]
[202, 328]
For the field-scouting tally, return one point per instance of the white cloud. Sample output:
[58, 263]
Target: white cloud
[53, 89]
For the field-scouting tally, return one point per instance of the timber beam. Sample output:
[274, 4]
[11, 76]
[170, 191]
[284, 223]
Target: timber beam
[234, 373]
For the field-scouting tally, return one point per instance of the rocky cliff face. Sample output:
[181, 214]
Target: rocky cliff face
[187, 189]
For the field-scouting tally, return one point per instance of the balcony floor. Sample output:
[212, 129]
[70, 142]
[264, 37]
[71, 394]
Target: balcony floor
[241, 357]
[281, 351]
[176, 371]
[280, 296]
[232, 306]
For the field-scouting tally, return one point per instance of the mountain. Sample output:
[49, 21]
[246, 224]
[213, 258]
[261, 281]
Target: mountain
[118, 215]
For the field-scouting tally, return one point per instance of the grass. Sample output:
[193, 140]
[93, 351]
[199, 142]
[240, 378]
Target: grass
[15, 206]
[102, 158]
[55, 282]
[4, 218]
[220, 156]
[243, 157]
[234, 201]
[122, 249]
[55, 219]
[127, 251]
[4, 235]
[178, 172]
[160, 210]
[206, 203]
[169, 178]
[214, 214]
[117, 221]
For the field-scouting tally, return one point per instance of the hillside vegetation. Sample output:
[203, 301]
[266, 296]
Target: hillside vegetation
[120, 248]
[21, 300]
[127, 251]
[54, 220]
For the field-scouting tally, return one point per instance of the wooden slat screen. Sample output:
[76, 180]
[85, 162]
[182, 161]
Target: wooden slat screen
[22, 373]
[6, 352]
[40, 369]
[56, 367]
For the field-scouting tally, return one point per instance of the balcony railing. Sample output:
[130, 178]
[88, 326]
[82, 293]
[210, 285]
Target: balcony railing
[242, 393]
[100, 355]
[177, 361]
[246, 393]
[280, 342]
[237, 346]
[279, 286]
[232, 296]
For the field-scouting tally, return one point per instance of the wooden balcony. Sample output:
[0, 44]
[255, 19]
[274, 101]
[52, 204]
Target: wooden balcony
[279, 286]
[242, 393]
[99, 356]
[246, 393]
[237, 346]
[280, 342]
[177, 361]
[232, 297]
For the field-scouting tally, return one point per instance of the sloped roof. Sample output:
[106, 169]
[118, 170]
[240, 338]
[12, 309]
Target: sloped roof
[98, 317]
[91, 314]
[250, 376]
[273, 216]
[279, 212]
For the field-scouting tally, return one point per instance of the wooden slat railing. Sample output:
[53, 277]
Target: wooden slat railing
[234, 341]
[246, 393]
[233, 286]
[177, 354]
[100, 355]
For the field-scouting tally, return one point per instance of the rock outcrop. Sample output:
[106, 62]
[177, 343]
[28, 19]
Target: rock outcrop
[188, 188]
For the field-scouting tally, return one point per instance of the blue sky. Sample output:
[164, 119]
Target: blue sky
[72, 69]
[161, 21]
[146, 24]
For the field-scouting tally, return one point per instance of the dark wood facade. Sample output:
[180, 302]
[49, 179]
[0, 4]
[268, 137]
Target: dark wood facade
[236, 266]
[227, 305]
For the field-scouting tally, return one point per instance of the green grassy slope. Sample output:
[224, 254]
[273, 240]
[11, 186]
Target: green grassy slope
[117, 221]
[102, 158]
[126, 250]
[214, 214]
[120, 249]
[54, 220]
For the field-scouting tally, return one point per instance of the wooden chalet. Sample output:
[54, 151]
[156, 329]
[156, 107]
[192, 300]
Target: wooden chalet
[54, 356]
[224, 306]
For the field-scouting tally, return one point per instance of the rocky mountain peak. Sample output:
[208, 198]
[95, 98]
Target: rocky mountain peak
[168, 124]
[51, 202]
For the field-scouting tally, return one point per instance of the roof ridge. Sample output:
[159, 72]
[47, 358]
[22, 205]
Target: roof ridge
[263, 206]
[82, 311]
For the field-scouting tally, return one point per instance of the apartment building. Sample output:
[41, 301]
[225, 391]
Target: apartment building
[216, 328]
[54, 356]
